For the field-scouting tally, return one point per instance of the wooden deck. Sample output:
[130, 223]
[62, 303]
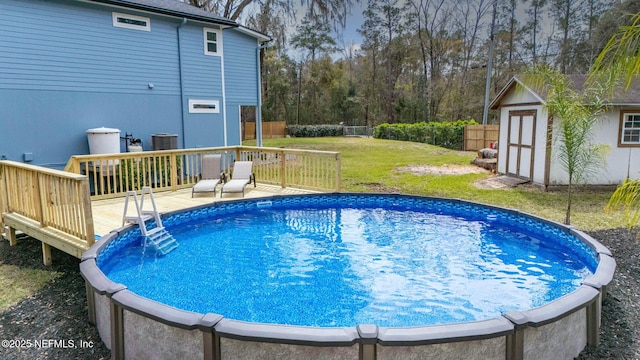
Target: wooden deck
[107, 214]
[67, 209]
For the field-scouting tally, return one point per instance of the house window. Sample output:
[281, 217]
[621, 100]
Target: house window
[630, 129]
[131, 21]
[204, 106]
[212, 42]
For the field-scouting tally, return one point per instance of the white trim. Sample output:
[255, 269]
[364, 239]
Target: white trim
[224, 101]
[115, 16]
[204, 106]
[253, 33]
[240, 132]
[218, 41]
[625, 118]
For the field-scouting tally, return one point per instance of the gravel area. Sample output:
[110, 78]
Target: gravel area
[59, 311]
[620, 329]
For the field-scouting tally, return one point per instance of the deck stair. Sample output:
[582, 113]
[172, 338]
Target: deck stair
[157, 237]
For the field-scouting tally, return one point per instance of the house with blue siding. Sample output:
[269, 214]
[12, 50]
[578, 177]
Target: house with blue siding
[143, 67]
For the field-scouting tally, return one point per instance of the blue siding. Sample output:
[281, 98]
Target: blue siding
[241, 78]
[240, 67]
[201, 73]
[202, 79]
[58, 45]
[64, 68]
[52, 124]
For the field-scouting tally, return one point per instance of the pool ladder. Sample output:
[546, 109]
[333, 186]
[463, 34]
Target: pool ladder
[158, 237]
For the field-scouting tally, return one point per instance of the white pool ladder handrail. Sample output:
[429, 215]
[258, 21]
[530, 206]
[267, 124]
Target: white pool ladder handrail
[159, 237]
[142, 215]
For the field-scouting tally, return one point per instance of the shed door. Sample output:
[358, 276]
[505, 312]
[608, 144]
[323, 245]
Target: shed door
[520, 149]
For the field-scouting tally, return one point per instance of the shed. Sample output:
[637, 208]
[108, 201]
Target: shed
[527, 148]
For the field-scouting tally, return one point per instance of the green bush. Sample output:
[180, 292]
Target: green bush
[314, 130]
[446, 134]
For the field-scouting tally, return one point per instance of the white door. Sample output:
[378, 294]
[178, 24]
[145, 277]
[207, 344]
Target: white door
[520, 145]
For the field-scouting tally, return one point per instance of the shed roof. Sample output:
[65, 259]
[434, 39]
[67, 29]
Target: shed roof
[619, 97]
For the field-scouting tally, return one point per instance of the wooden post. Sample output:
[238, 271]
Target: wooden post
[46, 254]
[12, 237]
[37, 200]
[3, 197]
[173, 174]
[283, 170]
[338, 172]
[88, 212]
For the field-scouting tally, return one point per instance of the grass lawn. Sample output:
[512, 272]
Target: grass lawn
[372, 165]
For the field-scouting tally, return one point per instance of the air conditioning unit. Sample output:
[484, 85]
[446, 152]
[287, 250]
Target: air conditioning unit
[164, 141]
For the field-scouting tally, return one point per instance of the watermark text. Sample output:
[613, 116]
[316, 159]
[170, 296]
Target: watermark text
[45, 344]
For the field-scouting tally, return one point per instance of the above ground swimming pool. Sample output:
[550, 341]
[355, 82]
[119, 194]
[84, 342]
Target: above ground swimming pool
[394, 271]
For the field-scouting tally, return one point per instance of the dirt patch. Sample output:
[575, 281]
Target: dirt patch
[502, 182]
[442, 170]
[490, 184]
[379, 188]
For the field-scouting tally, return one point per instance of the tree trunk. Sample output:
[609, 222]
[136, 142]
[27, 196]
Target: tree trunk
[567, 218]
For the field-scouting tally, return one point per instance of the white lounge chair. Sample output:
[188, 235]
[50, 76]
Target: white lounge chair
[241, 176]
[210, 176]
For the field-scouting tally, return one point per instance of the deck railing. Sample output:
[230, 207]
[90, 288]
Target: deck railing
[112, 175]
[305, 169]
[52, 198]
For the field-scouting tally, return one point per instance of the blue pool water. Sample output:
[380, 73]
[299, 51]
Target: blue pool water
[331, 261]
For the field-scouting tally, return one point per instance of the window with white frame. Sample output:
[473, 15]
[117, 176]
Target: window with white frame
[204, 106]
[131, 21]
[212, 41]
[630, 128]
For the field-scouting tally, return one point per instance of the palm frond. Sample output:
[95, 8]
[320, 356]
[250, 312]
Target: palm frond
[627, 197]
[621, 55]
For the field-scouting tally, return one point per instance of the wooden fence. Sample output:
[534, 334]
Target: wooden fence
[478, 137]
[112, 175]
[271, 129]
[50, 205]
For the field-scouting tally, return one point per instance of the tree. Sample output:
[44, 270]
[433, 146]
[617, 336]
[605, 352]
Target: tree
[574, 115]
[535, 13]
[621, 57]
[371, 45]
[627, 196]
[565, 14]
[313, 36]
[382, 26]
[330, 10]
[436, 47]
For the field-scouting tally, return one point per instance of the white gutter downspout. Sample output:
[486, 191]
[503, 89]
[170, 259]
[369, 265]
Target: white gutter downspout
[224, 97]
[259, 94]
[184, 141]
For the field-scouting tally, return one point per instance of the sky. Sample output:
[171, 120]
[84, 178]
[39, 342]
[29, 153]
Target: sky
[350, 33]
[354, 21]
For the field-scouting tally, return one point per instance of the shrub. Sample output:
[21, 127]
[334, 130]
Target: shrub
[314, 130]
[446, 134]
